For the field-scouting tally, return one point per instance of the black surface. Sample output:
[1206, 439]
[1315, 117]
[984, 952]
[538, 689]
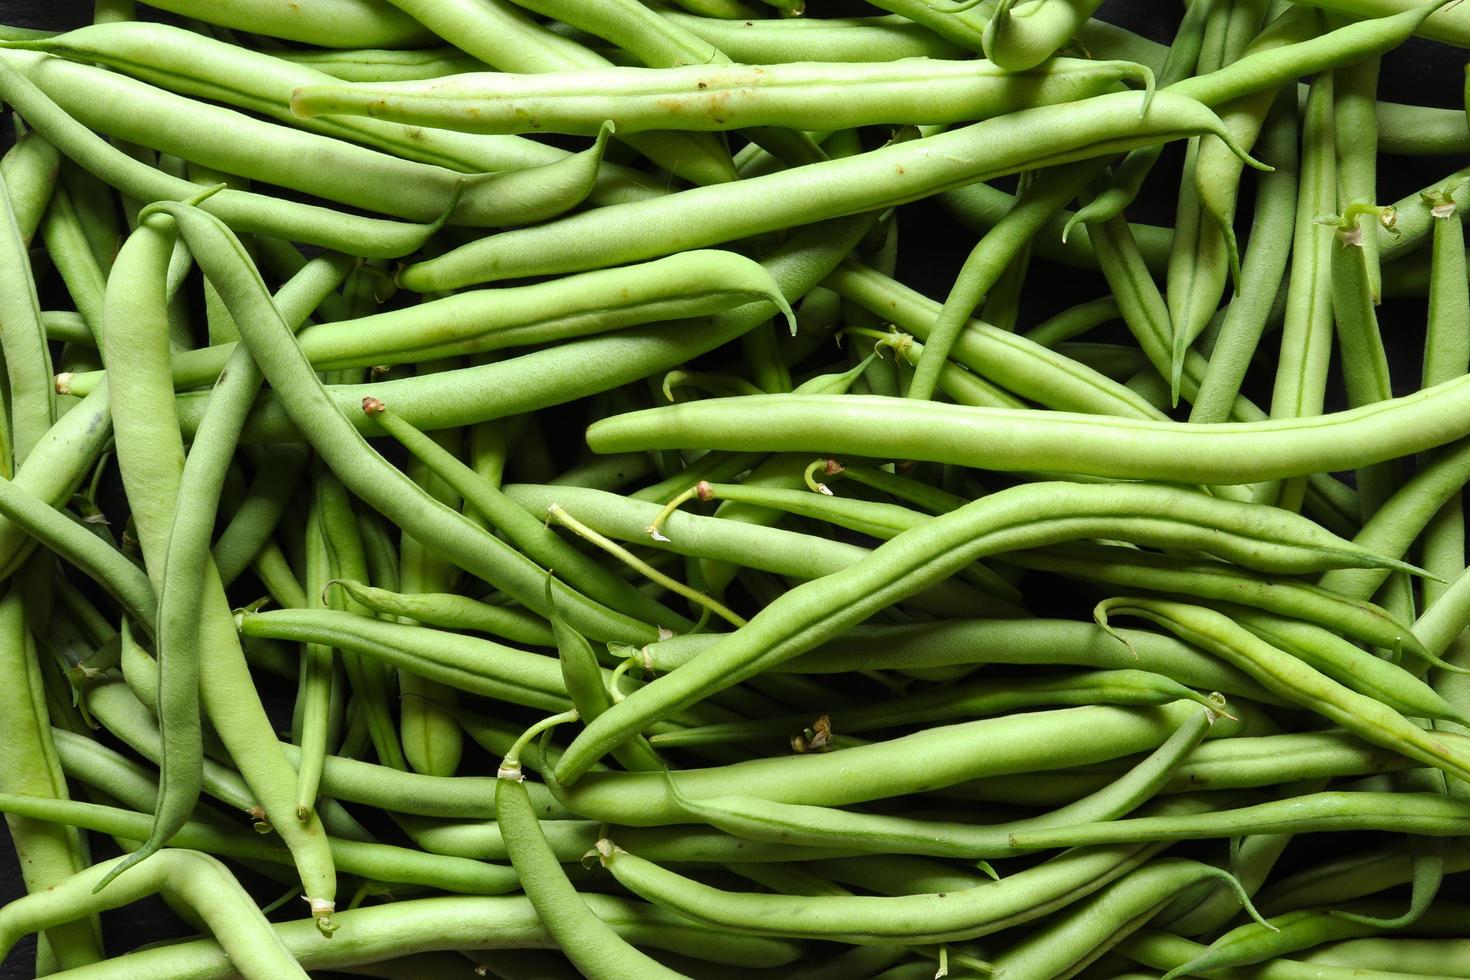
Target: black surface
[932, 249]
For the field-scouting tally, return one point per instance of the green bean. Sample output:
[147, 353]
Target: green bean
[197, 879]
[1013, 362]
[1136, 569]
[47, 856]
[1416, 813]
[501, 36]
[71, 254]
[1019, 40]
[1272, 67]
[1263, 269]
[1403, 517]
[191, 64]
[452, 612]
[1024, 140]
[1006, 439]
[720, 96]
[1446, 355]
[1421, 957]
[933, 759]
[1293, 679]
[466, 663]
[382, 65]
[595, 949]
[691, 284]
[912, 919]
[247, 210]
[381, 862]
[347, 453]
[258, 513]
[23, 339]
[1162, 951]
[370, 934]
[506, 515]
[979, 206]
[783, 552]
[151, 457]
[760, 42]
[1083, 933]
[30, 170]
[132, 110]
[1452, 26]
[1415, 130]
[1340, 659]
[825, 826]
[985, 264]
[951, 702]
[335, 24]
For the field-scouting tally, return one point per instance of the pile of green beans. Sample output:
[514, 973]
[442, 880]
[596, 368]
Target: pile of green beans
[714, 488]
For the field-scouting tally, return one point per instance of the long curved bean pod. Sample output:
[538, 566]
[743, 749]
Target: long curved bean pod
[1086, 931]
[197, 879]
[1020, 36]
[333, 24]
[688, 285]
[381, 862]
[373, 933]
[848, 39]
[1294, 680]
[452, 611]
[344, 172]
[702, 216]
[501, 36]
[1009, 439]
[720, 96]
[361, 469]
[246, 210]
[151, 457]
[866, 919]
[195, 65]
[937, 757]
[596, 950]
[1428, 814]
[826, 826]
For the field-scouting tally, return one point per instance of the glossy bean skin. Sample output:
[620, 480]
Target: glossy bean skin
[865, 919]
[567, 371]
[1292, 679]
[688, 285]
[595, 949]
[1022, 36]
[1002, 439]
[720, 96]
[199, 880]
[348, 173]
[949, 757]
[505, 39]
[1427, 813]
[452, 611]
[1083, 933]
[337, 24]
[761, 42]
[508, 922]
[708, 215]
[890, 834]
[247, 210]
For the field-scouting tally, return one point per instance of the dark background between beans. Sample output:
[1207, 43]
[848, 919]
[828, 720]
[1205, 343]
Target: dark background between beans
[932, 247]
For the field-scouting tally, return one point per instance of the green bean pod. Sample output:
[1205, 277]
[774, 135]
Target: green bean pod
[451, 611]
[1025, 140]
[845, 39]
[1295, 680]
[1057, 442]
[717, 97]
[373, 237]
[1021, 35]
